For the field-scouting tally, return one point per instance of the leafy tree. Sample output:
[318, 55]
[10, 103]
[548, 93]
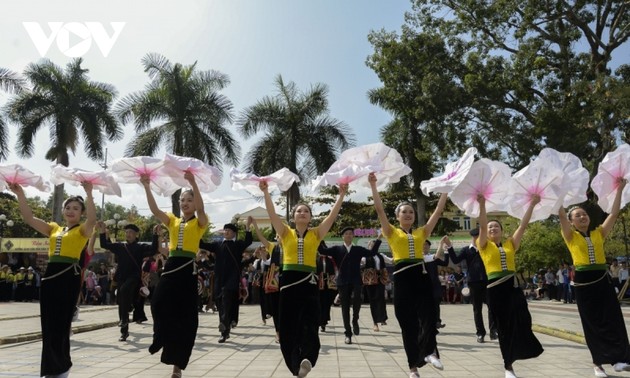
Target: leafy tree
[299, 134]
[537, 73]
[13, 83]
[618, 241]
[182, 110]
[72, 106]
[420, 89]
[542, 246]
[10, 208]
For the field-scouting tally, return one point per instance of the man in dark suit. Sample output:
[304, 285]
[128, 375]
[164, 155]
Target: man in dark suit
[128, 274]
[477, 282]
[228, 260]
[348, 260]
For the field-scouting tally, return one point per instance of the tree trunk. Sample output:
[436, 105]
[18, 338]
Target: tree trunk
[293, 197]
[175, 202]
[57, 202]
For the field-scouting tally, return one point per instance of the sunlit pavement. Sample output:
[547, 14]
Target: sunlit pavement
[251, 350]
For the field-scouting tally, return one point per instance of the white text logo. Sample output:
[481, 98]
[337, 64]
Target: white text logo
[82, 35]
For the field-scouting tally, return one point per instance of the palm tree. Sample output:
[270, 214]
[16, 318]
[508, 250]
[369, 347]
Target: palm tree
[72, 106]
[181, 110]
[13, 83]
[299, 134]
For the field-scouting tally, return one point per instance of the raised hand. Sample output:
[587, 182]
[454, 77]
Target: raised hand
[145, 179]
[16, 188]
[264, 186]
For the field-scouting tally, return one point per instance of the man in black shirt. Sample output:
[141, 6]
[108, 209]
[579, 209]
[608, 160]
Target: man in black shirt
[128, 271]
[228, 262]
[348, 260]
[477, 281]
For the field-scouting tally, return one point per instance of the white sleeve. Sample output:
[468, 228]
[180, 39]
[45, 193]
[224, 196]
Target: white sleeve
[387, 259]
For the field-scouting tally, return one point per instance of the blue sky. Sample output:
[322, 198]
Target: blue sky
[308, 42]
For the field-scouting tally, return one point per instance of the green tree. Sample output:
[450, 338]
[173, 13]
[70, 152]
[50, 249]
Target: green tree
[420, 90]
[299, 134]
[73, 107]
[536, 73]
[10, 208]
[542, 246]
[13, 83]
[182, 110]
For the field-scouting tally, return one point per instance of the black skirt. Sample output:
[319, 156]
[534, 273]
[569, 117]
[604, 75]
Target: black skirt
[174, 310]
[57, 304]
[514, 322]
[416, 313]
[602, 320]
[298, 320]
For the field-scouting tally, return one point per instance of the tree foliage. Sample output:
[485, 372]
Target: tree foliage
[537, 73]
[73, 107]
[542, 246]
[182, 110]
[10, 82]
[298, 134]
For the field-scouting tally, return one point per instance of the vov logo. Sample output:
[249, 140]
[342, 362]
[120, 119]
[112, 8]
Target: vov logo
[82, 35]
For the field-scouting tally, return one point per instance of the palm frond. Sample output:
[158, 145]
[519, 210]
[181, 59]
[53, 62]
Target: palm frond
[11, 81]
[156, 64]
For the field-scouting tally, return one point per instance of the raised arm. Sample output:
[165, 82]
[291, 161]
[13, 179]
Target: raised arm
[565, 225]
[202, 217]
[610, 220]
[26, 212]
[276, 222]
[428, 228]
[378, 205]
[327, 223]
[159, 214]
[90, 211]
[91, 242]
[259, 234]
[483, 222]
[520, 231]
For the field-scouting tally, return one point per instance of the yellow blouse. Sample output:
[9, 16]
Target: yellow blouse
[579, 249]
[188, 244]
[399, 244]
[308, 260]
[65, 245]
[496, 264]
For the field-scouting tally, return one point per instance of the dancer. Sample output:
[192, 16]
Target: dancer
[327, 274]
[228, 265]
[477, 282]
[505, 299]
[348, 259]
[260, 267]
[174, 303]
[375, 276]
[413, 300]
[128, 272]
[271, 277]
[299, 295]
[61, 283]
[604, 327]
[431, 262]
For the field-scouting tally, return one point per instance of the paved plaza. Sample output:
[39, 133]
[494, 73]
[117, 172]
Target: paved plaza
[252, 352]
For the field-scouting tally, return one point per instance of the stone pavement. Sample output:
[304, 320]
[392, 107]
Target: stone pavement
[252, 352]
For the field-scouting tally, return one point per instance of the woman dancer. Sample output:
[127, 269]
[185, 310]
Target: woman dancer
[273, 271]
[413, 300]
[505, 299]
[174, 303]
[61, 283]
[299, 295]
[327, 273]
[604, 327]
[375, 268]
